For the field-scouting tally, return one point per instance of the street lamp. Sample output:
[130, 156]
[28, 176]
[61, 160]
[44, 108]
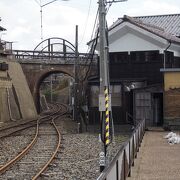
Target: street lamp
[41, 7]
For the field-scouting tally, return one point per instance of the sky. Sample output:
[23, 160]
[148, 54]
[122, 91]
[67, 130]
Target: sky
[21, 18]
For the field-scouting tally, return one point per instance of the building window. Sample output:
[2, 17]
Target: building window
[137, 57]
[115, 91]
[169, 57]
[116, 95]
[152, 56]
[145, 56]
[118, 57]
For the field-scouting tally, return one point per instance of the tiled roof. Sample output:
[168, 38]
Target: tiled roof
[170, 23]
[2, 29]
[155, 28]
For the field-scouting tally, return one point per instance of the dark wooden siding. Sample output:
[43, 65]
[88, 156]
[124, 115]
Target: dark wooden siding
[137, 65]
[133, 67]
[117, 112]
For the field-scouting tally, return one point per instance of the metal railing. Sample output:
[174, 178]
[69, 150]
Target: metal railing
[120, 166]
[129, 116]
[26, 54]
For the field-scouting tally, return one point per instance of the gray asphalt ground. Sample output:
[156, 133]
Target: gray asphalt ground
[157, 160]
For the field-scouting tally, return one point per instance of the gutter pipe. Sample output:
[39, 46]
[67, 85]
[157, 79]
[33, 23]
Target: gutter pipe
[165, 53]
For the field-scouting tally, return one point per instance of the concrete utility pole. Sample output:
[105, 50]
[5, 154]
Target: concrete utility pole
[104, 85]
[104, 97]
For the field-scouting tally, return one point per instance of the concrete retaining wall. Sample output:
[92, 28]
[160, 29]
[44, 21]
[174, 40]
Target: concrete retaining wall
[14, 88]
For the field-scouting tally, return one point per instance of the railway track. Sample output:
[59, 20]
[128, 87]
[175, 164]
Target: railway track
[19, 126]
[7, 131]
[47, 133]
[77, 159]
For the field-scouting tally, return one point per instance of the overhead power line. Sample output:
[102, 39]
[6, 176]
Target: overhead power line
[37, 2]
[87, 19]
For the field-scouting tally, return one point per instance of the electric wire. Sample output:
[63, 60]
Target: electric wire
[37, 2]
[91, 56]
[87, 19]
[91, 51]
[95, 29]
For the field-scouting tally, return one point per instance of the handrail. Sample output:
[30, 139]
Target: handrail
[128, 115]
[120, 166]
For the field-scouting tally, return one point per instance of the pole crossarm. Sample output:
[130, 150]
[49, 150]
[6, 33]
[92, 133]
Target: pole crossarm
[115, 1]
[51, 2]
[48, 3]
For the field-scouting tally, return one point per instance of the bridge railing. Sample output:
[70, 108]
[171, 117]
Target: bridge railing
[47, 55]
[120, 166]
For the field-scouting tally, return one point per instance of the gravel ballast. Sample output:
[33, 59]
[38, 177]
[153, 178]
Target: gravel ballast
[77, 159]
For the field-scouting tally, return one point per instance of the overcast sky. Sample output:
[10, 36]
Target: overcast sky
[21, 18]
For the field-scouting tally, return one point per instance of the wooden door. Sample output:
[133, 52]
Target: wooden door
[143, 107]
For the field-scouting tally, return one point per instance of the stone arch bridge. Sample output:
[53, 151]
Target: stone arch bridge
[36, 70]
[53, 55]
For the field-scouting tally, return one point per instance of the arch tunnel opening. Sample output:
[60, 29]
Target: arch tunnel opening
[54, 87]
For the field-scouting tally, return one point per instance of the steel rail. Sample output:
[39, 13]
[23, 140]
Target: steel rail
[58, 144]
[20, 155]
[17, 125]
[53, 155]
[3, 168]
[28, 124]
[24, 126]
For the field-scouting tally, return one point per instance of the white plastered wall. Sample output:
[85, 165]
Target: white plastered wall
[128, 37]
